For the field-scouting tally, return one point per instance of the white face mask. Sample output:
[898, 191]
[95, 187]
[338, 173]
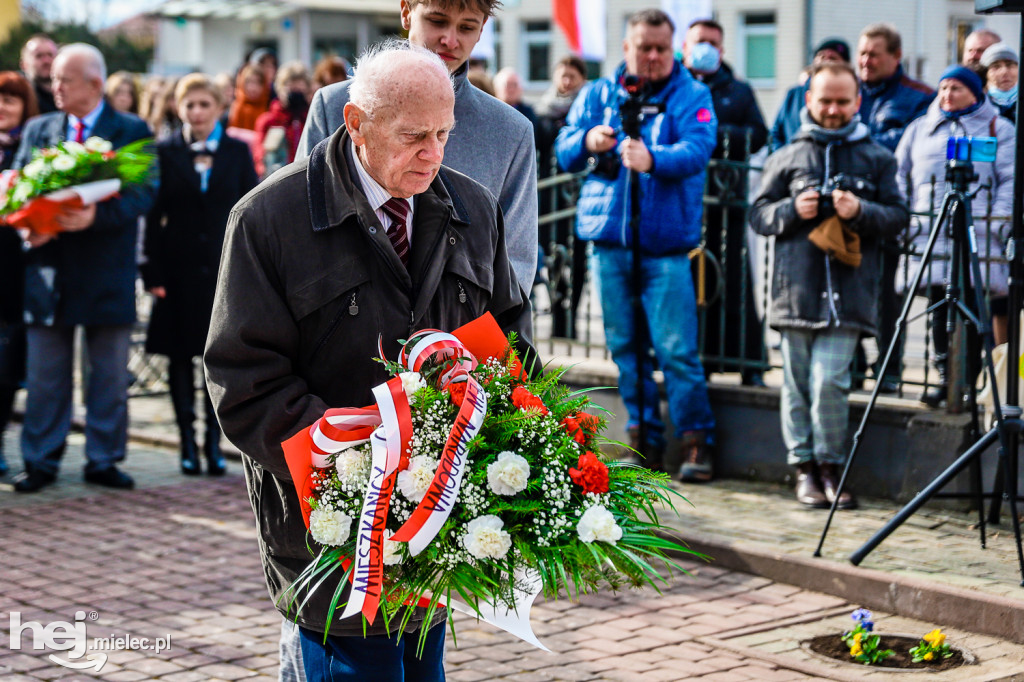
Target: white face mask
[705, 58]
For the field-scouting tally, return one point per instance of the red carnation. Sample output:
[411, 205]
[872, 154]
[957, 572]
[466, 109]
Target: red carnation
[574, 429]
[592, 474]
[524, 400]
[457, 392]
[588, 422]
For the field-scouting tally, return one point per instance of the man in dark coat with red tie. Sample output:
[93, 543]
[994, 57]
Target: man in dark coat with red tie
[82, 277]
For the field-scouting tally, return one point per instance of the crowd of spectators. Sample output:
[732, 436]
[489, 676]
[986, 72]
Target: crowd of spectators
[276, 113]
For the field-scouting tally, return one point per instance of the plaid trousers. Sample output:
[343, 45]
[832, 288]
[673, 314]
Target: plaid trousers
[816, 384]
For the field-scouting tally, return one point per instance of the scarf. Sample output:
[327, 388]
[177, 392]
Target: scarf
[958, 114]
[554, 105]
[851, 132]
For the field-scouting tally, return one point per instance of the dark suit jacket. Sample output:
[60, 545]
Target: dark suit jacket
[184, 235]
[88, 277]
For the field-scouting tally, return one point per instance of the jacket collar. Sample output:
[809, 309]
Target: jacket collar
[334, 197]
[976, 120]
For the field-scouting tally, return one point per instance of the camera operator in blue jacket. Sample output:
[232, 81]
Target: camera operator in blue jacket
[670, 160]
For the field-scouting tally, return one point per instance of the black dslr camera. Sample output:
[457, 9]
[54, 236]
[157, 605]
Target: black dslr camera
[631, 112]
[826, 209]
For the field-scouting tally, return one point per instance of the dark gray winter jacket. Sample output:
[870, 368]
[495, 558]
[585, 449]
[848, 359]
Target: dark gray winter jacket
[810, 290]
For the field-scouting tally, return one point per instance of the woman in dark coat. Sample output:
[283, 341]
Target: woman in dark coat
[203, 172]
[17, 105]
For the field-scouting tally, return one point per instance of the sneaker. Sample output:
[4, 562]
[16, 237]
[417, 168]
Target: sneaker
[32, 481]
[696, 458]
[111, 477]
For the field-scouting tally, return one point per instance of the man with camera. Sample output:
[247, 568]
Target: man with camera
[829, 198]
[668, 153]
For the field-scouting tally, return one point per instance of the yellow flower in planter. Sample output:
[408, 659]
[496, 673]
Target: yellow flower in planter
[929, 656]
[935, 638]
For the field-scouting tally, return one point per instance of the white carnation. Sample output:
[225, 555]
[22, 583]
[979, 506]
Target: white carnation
[353, 466]
[330, 527]
[509, 474]
[63, 162]
[392, 550]
[411, 382]
[98, 144]
[485, 539]
[74, 148]
[21, 192]
[414, 482]
[598, 524]
[34, 169]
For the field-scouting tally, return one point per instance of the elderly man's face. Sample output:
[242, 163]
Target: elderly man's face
[37, 58]
[874, 61]
[509, 90]
[832, 99]
[975, 46]
[446, 31]
[402, 146]
[73, 90]
[648, 51]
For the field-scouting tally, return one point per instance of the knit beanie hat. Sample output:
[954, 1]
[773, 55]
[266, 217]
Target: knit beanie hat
[970, 80]
[999, 52]
[837, 44]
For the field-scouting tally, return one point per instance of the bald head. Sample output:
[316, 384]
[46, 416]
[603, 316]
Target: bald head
[395, 75]
[401, 109]
[79, 74]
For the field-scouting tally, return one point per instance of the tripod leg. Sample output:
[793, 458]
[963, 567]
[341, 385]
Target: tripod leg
[940, 481]
[915, 283]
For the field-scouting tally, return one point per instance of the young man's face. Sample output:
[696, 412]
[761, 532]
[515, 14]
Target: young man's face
[443, 29]
[832, 99]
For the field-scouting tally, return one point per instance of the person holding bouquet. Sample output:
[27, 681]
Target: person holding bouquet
[367, 240]
[205, 173]
[17, 105]
[80, 272]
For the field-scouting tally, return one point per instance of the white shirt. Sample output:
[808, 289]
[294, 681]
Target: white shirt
[89, 121]
[378, 196]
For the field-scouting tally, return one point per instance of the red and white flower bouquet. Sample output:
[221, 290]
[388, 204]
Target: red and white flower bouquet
[70, 174]
[472, 486]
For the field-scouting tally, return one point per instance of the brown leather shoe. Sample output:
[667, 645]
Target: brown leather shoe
[808, 488]
[830, 483]
[696, 458]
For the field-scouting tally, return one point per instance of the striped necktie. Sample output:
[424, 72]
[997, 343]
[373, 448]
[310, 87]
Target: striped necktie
[398, 210]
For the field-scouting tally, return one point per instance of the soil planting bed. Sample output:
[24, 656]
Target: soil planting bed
[831, 646]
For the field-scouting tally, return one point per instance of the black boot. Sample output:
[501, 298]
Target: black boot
[6, 404]
[215, 464]
[936, 395]
[180, 376]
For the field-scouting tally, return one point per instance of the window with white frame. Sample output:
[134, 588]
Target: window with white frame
[757, 42]
[536, 53]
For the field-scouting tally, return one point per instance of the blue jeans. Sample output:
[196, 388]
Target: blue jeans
[670, 308]
[377, 658]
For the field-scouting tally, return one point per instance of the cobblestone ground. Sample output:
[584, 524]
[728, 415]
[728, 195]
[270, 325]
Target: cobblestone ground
[176, 559]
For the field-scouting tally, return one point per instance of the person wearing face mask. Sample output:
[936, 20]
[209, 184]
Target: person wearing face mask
[203, 174]
[287, 114]
[669, 158]
[961, 108]
[1001, 71]
[741, 132]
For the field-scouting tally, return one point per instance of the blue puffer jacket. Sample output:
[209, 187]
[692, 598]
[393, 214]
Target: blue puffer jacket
[889, 107]
[680, 139]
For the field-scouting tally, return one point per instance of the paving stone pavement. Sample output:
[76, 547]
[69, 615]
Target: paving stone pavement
[176, 559]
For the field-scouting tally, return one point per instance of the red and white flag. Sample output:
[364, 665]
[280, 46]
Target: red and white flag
[584, 23]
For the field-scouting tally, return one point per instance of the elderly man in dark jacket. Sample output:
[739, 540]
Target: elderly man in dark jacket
[828, 198]
[310, 279]
[83, 277]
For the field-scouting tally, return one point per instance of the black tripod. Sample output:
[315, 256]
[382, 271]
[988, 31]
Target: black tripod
[964, 278]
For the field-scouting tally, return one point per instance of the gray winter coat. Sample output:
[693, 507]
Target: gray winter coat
[805, 278]
[921, 156]
[491, 143]
[308, 281]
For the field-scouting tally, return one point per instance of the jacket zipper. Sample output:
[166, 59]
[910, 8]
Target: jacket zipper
[352, 309]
